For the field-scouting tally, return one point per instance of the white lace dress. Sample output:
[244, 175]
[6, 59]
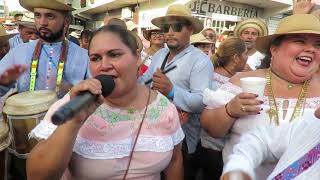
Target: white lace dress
[242, 125]
[104, 142]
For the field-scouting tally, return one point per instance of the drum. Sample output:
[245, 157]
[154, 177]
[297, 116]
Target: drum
[5, 140]
[23, 112]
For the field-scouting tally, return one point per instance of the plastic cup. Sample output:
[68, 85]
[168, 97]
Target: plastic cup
[253, 85]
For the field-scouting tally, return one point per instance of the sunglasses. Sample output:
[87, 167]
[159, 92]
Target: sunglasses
[176, 27]
[155, 33]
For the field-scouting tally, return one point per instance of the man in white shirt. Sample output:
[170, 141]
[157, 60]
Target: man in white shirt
[249, 30]
[296, 146]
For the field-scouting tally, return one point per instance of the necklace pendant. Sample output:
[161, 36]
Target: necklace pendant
[290, 86]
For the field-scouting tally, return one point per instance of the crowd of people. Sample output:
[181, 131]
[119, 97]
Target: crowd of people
[177, 110]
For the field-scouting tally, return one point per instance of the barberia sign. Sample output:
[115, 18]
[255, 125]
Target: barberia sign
[207, 7]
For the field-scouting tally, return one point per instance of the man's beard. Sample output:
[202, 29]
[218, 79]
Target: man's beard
[53, 37]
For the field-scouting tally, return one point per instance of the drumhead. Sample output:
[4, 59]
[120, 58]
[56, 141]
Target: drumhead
[28, 103]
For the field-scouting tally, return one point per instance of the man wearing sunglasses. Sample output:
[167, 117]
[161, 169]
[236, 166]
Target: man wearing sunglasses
[183, 85]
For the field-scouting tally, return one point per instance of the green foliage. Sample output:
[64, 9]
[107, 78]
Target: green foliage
[12, 13]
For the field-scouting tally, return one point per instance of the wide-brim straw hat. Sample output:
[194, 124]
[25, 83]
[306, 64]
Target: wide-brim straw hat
[60, 5]
[179, 11]
[8, 22]
[147, 32]
[199, 38]
[4, 36]
[75, 34]
[294, 24]
[27, 20]
[255, 23]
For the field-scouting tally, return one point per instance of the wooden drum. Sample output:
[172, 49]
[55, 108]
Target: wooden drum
[23, 112]
[5, 140]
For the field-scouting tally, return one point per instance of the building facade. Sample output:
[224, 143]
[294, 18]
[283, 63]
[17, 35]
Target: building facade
[219, 14]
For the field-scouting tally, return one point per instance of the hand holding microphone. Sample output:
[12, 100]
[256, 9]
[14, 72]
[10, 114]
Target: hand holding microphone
[85, 98]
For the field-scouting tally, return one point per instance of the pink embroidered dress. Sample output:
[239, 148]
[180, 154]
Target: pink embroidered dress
[226, 92]
[104, 142]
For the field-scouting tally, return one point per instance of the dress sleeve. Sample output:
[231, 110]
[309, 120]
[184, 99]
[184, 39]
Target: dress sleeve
[45, 128]
[258, 146]
[214, 99]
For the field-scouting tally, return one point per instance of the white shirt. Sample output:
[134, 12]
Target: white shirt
[286, 143]
[255, 60]
[245, 124]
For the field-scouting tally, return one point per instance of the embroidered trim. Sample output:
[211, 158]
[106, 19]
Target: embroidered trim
[300, 165]
[228, 89]
[220, 79]
[119, 149]
[115, 115]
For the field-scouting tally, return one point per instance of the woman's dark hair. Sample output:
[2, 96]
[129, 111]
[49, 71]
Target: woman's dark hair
[266, 61]
[86, 33]
[226, 50]
[125, 36]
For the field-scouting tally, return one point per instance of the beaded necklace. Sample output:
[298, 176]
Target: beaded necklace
[35, 63]
[273, 111]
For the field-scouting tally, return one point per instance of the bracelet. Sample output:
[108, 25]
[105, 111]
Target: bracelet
[234, 117]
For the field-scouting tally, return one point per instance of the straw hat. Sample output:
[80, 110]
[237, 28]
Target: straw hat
[4, 36]
[182, 12]
[60, 5]
[294, 24]
[255, 23]
[199, 38]
[8, 22]
[147, 32]
[75, 34]
[27, 20]
[131, 25]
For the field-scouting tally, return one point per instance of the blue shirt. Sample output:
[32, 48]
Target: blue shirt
[15, 41]
[75, 70]
[193, 74]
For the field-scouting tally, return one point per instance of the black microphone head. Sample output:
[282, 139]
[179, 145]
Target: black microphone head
[107, 83]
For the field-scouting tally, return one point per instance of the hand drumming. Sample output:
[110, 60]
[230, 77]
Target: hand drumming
[12, 74]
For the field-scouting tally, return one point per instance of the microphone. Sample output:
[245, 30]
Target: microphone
[80, 101]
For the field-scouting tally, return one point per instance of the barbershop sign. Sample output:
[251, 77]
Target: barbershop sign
[207, 7]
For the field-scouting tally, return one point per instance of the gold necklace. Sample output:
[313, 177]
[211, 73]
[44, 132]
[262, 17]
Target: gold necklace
[273, 111]
[289, 86]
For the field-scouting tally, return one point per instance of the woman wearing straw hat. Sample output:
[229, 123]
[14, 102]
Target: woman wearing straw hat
[156, 39]
[229, 59]
[201, 42]
[27, 31]
[291, 86]
[211, 35]
[249, 30]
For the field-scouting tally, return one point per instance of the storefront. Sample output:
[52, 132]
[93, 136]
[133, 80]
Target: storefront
[219, 14]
